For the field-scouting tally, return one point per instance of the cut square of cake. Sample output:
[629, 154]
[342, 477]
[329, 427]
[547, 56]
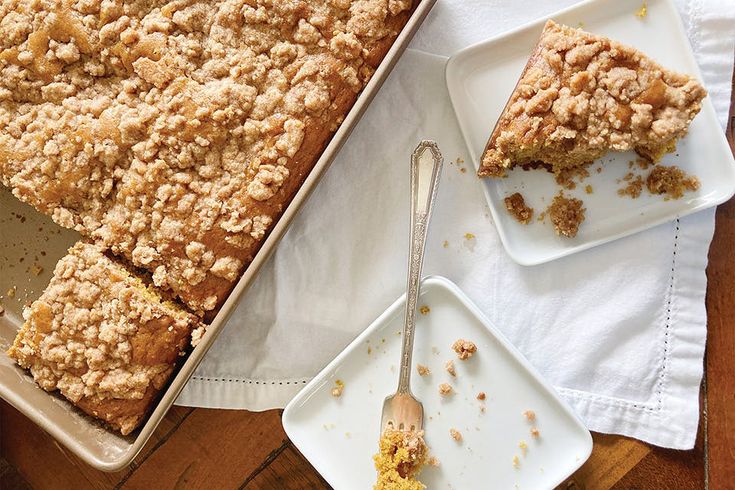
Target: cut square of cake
[103, 338]
[582, 95]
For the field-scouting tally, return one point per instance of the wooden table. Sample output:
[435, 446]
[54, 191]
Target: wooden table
[236, 449]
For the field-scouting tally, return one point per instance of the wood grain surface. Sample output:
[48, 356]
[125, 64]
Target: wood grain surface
[200, 448]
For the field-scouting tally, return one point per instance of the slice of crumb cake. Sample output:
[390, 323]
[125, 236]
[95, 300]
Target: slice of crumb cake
[582, 95]
[103, 338]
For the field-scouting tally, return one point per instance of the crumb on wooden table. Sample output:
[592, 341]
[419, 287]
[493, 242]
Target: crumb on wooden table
[445, 389]
[481, 395]
[516, 206]
[672, 181]
[339, 387]
[456, 435]
[566, 213]
[449, 366]
[422, 370]
[530, 415]
[424, 310]
[464, 349]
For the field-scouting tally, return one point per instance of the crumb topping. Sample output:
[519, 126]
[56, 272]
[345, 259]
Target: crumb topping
[516, 206]
[400, 459]
[566, 213]
[634, 187]
[671, 181]
[582, 95]
[422, 370]
[449, 366]
[464, 349]
[456, 435]
[445, 389]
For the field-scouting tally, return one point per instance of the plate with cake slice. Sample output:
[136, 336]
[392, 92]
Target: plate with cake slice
[589, 126]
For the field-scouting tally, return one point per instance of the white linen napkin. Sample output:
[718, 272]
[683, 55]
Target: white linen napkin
[619, 329]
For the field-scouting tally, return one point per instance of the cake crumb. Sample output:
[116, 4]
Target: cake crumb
[634, 187]
[643, 163]
[566, 177]
[535, 433]
[523, 446]
[671, 181]
[516, 461]
[11, 292]
[370, 350]
[449, 366]
[566, 213]
[481, 395]
[642, 12]
[456, 435]
[432, 461]
[338, 388]
[588, 189]
[464, 349]
[36, 269]
[469, 236]
[445, 244]
[445, 389]
[530, 415]
[423, 370]
[424, 310]
[516, 206]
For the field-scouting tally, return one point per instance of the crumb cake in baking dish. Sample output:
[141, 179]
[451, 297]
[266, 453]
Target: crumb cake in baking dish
[172, 134]
[582, 95]
[101, 337]
[176, 132]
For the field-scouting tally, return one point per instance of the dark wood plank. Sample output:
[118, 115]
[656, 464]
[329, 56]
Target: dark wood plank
[24, 445]
[288, 470]
[612, 457]
[10, 479]
[720, 362]
[211, 449]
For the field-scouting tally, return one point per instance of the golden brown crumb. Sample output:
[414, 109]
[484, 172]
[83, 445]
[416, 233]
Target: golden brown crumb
[36, 269]
[516, 206]
[11, 292]
[445, 389]
[401, 458]
[530, 415]
[456, 435]
[566, 177]
[599, 170]
[464, 349]
[469, 236]
[450, 368]
[535, 433]
[370, 350]
[338, 388]
[424, 310]
[671, 181]
[432, 461]
[445, 244]
[523, 446]
[588, 189]
[566, 214]
[516, 461]
[422, 370]
[634, 187]
[481, 395]
[643, 163]
[642, 12]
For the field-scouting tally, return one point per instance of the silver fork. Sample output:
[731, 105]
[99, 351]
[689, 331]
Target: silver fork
[402, 410]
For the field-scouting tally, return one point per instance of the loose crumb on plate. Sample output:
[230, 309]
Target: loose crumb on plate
[456, 435]
[11, 292]
[481, 395]
[588, 189]
[566, 213]
[464, 349]
[566, 177]
[634, 187]
[432, 461]
[338, 388]
[469, 236]
[523, 446]
[516, 206]
[516, 461]
[445, 244]
[642, 12]
[423, 370]
[449, 366]
[445, 389]
[530, 415]
[424, 310]
[672, 181]
[535, 433]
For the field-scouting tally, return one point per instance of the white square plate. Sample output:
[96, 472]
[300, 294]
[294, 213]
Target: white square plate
[481, 78]
[340, 435]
